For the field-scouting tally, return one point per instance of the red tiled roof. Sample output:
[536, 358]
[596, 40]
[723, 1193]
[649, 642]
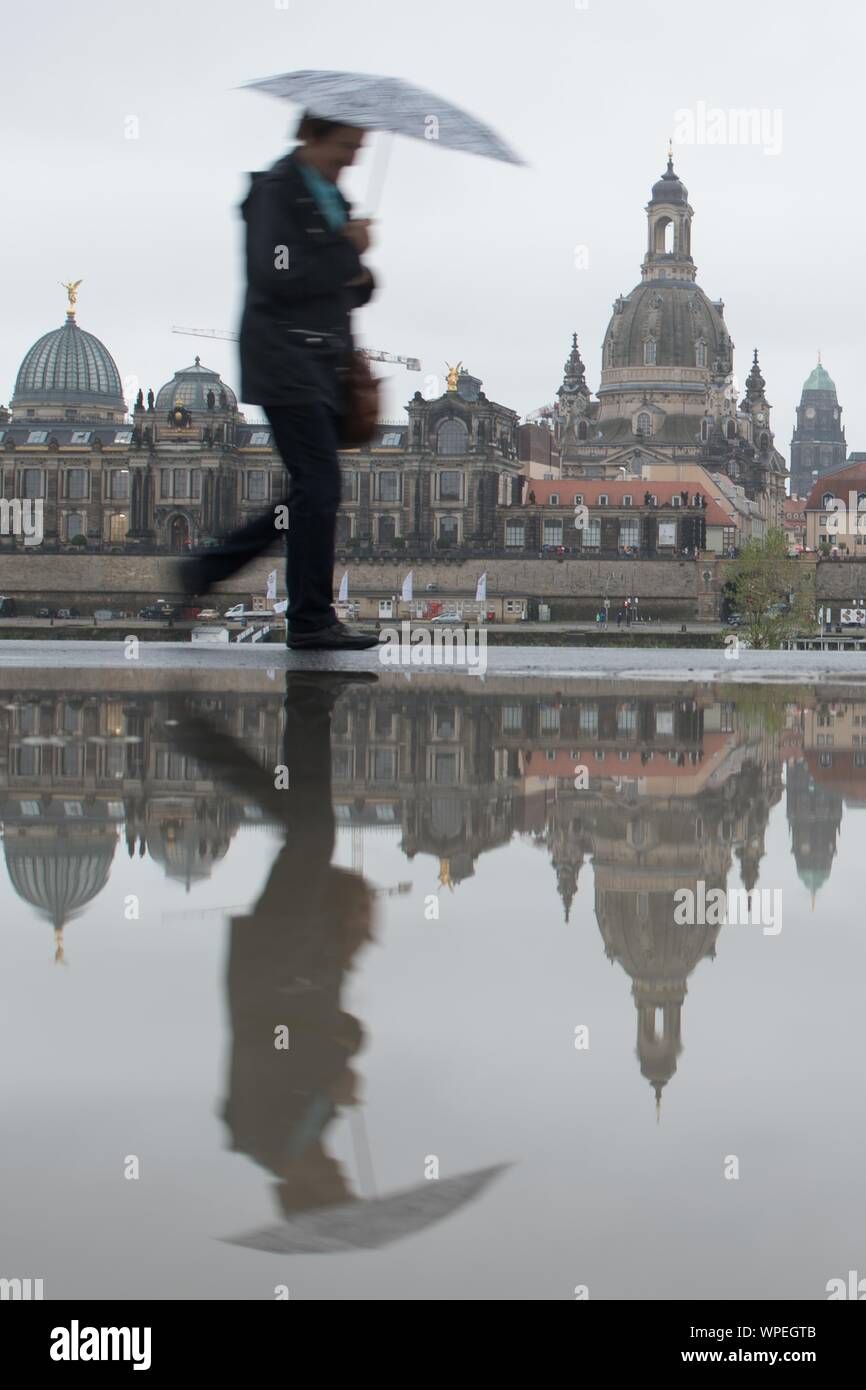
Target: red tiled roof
[838, 484]
[590, 489]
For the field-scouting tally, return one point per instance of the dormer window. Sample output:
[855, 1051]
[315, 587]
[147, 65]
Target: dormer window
[827, 499]
[554, 499]
[649, 352]
[644, 422]
[700, 354]
[626, 501]
[602, 499]
[578, 499]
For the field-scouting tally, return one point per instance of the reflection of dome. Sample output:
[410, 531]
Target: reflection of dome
[68, 367]
[191, 385]
[187, 851]
[61, 876]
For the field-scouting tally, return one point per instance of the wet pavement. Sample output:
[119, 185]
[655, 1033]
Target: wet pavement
[373, 987]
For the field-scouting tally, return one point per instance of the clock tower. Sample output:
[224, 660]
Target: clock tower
[818, 444]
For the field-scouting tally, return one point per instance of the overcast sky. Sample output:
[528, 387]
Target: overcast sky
[476, 259]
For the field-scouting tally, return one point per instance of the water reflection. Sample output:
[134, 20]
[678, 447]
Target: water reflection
[677, 788]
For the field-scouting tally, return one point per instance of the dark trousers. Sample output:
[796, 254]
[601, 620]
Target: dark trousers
[306, 438]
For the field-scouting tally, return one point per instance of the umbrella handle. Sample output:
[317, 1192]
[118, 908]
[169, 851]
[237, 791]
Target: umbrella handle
[378, 171]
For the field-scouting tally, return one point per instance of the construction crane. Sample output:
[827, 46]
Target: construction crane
[412, 364]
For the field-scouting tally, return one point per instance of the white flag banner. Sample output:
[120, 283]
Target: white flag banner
[272, 585]
[407, 588]
[343, 595]
[481, 588]
[281, 606]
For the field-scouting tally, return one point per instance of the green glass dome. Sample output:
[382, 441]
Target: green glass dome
[190, 386]
[68, 367]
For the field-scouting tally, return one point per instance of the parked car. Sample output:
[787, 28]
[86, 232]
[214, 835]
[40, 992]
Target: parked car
[44, 613]
[67, 613]
[239, 610]
[7, 606]
[208, 615]
[448, 619]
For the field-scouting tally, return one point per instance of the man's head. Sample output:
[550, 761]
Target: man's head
[328, 146]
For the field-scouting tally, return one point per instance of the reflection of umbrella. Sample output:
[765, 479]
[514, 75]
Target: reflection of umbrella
[366, 1225]
[387, 103]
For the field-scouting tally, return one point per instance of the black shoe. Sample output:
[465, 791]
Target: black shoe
[336, 638]
[192, 577]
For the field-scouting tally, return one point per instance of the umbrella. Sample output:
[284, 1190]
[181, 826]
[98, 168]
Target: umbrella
[386, 103]
[366, 1225]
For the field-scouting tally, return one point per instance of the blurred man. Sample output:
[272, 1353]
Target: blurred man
[304, 277]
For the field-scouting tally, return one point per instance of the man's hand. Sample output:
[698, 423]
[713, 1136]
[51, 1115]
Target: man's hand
[357, 229]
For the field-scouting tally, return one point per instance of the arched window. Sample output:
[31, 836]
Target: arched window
[582, 430]
[611, 355]
[644, 422]
[764, 443]
[827, 499]
[705, 431]
[453, 438]
[649, 352]
[731, 430]
[700, 354]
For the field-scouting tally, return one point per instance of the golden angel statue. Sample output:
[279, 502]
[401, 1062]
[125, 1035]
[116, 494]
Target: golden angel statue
[453, 374]
[72, 293]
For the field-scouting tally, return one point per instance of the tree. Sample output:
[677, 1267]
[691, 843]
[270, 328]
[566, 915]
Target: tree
[773, 594]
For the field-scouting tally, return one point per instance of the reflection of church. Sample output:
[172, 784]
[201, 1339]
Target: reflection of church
[678, 790]
[828, 775]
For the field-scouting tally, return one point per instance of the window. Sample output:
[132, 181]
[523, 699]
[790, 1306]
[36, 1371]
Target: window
[344, 528]
[76, 484]
[588, 719]
[453, 438]
[705, 431]
[552, 533]
[165, 482]
[731, 430]
[384, 764]
[80, 437]
[123, 436]
[31, 482]
[259, 439]
[626, 719]
[591, 534]
[389, 487]
[512, 718]
[629, 532]
[554, 499]
[627, 500]
[256, 491]
[195, 482]
[649, 352]
[602, 499]
[348, 486]
[700, 354]
[515, 533]
[387, 529]
[644, 422]
[826, 500]
[578, 499]
[582, 430]
[75, 525]
[449, 530]
[118, 484]
[390, 441]
[450, 486]
[37, 436]
[118, 527]
[548, 719]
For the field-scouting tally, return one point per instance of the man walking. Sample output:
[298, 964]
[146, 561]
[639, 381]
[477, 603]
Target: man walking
[304, 277]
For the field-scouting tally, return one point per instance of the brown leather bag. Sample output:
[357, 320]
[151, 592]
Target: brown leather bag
[361, 414]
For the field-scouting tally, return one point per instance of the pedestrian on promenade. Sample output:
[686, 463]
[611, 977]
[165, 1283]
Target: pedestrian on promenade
[304, 277]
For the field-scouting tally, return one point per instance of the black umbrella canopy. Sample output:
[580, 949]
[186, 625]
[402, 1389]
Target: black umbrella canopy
[386, 103]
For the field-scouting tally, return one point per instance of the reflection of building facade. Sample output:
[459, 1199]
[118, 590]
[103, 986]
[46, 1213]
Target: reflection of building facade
[676, 789]
[75, 774]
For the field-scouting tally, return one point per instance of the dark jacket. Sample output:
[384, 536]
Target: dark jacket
[286, 309]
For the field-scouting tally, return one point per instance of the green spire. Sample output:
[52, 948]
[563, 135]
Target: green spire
[819, 379]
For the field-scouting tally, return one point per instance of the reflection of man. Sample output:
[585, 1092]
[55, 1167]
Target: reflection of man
[289, 958]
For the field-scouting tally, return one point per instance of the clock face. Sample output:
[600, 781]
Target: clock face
[760, 417]
[810, 412]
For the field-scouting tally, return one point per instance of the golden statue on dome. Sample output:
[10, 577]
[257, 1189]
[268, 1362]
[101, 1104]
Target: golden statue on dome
[72, 295]
[453, 374]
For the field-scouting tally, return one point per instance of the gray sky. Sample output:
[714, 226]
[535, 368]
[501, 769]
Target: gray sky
[477, 260]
